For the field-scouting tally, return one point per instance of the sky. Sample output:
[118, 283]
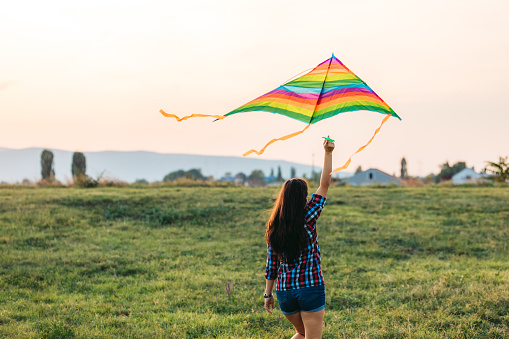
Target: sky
[92, 76]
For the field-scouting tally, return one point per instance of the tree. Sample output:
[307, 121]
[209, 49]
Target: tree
[358, 170]
[47, 171]
[193, 174]
[447, 171]
[240, 178]
[79, 172]
[79, 165]
[174, 175]
[500, 169]
[404, 171]
[279, 174]
[272, 172]
[257, 177]
[292, 172]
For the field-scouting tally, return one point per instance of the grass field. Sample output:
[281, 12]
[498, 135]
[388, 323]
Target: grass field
[154, 262]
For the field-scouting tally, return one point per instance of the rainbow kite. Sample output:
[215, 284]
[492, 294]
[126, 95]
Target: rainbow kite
[329, 89]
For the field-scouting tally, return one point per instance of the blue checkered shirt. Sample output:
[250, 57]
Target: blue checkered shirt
[306, 271]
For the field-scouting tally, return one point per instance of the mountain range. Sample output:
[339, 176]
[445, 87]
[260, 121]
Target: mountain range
[19, 164]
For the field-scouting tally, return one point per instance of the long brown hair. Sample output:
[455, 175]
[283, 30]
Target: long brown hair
[285, 228]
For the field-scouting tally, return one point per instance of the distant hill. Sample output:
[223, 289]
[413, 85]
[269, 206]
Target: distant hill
[16, 165]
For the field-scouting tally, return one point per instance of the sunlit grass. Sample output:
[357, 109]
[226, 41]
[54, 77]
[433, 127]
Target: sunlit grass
[154, 262]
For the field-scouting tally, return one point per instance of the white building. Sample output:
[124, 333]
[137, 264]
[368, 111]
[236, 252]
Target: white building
[468, 176]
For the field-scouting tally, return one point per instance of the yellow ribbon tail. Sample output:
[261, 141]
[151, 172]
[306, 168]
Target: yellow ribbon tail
[273, 141]
[190, 116]
[347, 163]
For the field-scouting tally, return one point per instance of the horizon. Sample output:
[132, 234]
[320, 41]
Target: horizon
[21, 164]
[349, 171]
[93, 77]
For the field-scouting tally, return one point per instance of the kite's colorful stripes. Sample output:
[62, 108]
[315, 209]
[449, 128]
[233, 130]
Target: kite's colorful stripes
[329, 89]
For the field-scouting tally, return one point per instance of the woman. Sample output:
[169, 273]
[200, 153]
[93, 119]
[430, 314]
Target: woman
[293, 254]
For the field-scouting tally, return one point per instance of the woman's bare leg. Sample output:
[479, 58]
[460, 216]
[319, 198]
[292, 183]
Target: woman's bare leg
[313, 323]
[296, 321]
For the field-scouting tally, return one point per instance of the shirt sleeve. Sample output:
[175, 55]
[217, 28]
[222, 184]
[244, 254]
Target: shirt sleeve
[314, 209]
[272, 265]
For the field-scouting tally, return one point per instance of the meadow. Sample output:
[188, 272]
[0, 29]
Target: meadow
[156, 262]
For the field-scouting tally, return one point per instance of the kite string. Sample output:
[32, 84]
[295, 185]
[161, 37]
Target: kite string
[347, 163]
[274, 140]
[190, 116]
[295, 76]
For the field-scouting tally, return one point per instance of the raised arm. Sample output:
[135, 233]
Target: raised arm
[328, 146]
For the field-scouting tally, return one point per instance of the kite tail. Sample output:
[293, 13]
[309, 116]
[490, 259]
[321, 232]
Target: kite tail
[363, 147]
[190, 116]
[274, 140]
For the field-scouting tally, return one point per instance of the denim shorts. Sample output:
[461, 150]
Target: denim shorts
[307, 299]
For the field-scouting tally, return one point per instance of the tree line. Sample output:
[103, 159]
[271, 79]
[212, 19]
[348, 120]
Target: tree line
[256, 178]
[499, 172]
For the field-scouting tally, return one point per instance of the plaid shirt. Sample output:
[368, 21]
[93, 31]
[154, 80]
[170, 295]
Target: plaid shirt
[306, 271]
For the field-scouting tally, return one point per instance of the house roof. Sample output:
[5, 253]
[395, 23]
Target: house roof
[377, 170]
[467, 171]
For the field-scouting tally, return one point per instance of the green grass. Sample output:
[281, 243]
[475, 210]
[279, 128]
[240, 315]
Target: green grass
[154, 262]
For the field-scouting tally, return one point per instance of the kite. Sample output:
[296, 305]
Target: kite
[327, 90]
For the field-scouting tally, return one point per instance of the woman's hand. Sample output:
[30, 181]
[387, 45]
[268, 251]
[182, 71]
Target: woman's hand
[268, 303]
[328, 146]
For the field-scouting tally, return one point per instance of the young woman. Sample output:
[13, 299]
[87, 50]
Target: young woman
[293, 254]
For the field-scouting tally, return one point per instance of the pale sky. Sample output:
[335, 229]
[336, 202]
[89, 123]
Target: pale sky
[92, 76]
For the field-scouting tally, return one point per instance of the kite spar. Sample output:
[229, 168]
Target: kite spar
[327, 90]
